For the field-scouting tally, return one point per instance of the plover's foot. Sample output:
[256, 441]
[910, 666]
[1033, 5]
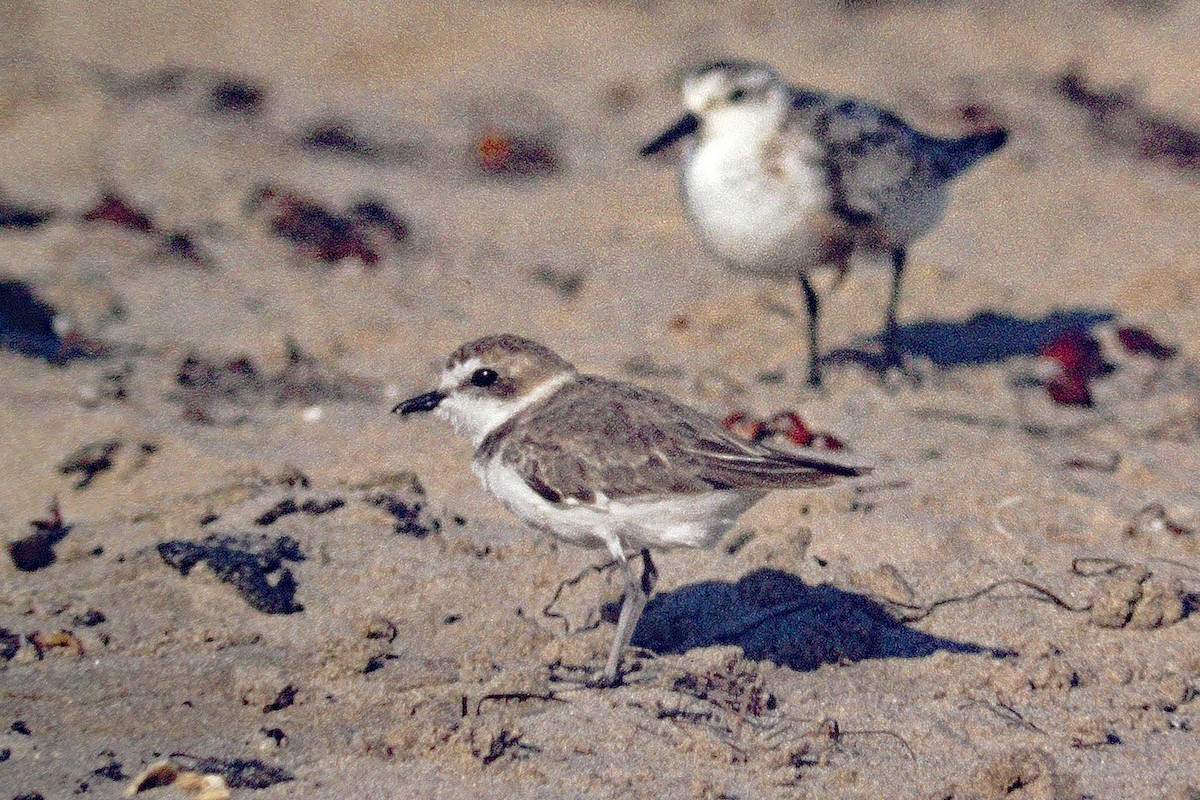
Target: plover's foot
[585, 677]
[606, 682]
[630, 667]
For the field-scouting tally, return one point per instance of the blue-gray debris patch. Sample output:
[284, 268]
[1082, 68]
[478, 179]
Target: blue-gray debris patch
[247, 562]
[239, 773]
[16, 217]
[10, 643]
[27, 323]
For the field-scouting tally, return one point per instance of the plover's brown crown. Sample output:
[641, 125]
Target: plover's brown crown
[521, 364]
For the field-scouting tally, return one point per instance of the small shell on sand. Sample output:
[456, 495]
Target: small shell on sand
[167, 773]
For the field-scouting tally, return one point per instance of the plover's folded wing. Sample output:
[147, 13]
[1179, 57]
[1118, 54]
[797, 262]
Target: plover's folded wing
[623, 456]
[723, 460]
[606, 438]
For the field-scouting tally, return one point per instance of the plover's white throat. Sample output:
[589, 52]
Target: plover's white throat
[779, 181]
[602, 463]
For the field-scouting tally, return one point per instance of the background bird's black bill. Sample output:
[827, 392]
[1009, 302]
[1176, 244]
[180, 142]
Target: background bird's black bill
[685, 126]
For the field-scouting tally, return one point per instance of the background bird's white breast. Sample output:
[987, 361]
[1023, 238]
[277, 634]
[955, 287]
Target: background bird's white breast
[754, 218]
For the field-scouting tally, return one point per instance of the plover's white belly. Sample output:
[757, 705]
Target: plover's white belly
[693, 521]
[759, 219]
[578, 524]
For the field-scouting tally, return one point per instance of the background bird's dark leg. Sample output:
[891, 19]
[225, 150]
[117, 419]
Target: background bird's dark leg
[649, 573]
[636, 595]
[813, 304]
[891, 353]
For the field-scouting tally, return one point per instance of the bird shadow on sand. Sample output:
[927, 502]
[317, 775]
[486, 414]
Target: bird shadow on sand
[773, 615]
[986, 338]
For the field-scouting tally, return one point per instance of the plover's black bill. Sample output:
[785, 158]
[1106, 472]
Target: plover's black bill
[686, 126]
[422, 402]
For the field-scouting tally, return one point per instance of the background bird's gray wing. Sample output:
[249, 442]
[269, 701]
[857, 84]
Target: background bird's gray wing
[622, 441]
[876, 160]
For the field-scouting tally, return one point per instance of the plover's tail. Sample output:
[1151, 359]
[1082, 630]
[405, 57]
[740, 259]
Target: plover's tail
[952, 156]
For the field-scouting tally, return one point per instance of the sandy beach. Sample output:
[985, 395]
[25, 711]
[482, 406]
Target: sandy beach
[234, 235]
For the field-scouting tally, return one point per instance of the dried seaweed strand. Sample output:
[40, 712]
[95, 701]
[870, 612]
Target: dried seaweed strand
[547, 610]
[1043, 595]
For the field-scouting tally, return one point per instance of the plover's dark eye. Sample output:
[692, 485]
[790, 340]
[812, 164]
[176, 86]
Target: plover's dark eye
[484, 377]
[737, 95]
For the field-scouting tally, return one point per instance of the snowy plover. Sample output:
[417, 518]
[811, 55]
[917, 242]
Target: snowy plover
[602, 463]
[780, 180]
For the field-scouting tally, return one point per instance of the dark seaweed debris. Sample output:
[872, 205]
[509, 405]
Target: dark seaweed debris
[1140, 341]
[409, 512]
[246, 562]
[1080, 359]
[323, 234]
[1116, 116]
[182, 245]
[90, 460]
[339, 136]
[288, 506]
[36, 550]
[285, 698]
[509, 155]
[112, 771]
[89, 619]
[116, 210]
[373, 212]
[236, 96]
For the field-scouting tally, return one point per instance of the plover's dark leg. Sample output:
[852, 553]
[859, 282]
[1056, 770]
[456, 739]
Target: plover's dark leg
[813, 304]
[631, 611]
[892, 357]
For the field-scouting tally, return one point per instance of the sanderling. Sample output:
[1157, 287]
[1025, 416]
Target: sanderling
[780, 180]
[602, 463]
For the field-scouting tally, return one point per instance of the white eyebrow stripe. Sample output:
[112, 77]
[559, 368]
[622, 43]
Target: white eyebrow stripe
[453, 378]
